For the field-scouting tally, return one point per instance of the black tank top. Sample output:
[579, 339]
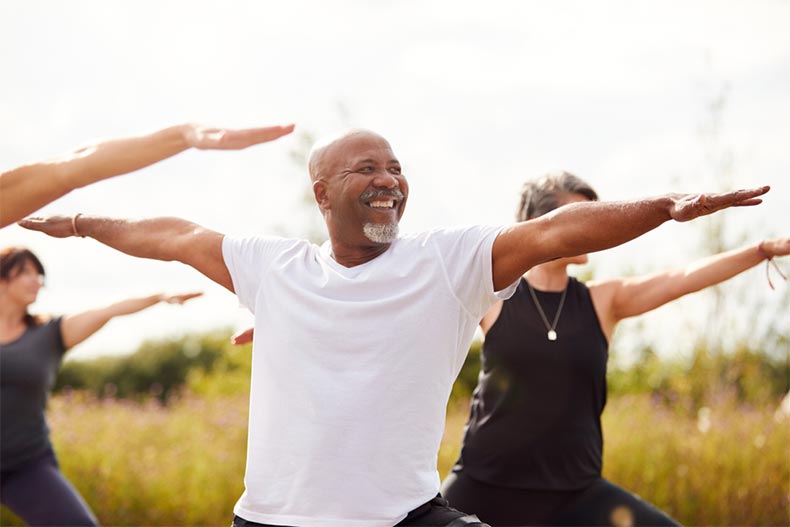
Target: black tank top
[535, 415]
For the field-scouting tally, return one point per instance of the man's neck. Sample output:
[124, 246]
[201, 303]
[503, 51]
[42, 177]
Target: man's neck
[352, 256]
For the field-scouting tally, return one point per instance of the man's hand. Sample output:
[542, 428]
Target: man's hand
[205, 138]
[55, 226]
[242, 337]
[686, 207]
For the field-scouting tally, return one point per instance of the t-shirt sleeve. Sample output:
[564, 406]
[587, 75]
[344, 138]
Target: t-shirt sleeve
[466, 255]
[247, 260]
[55, 334]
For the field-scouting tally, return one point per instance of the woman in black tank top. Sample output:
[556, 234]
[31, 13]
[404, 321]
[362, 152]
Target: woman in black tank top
[532, 449]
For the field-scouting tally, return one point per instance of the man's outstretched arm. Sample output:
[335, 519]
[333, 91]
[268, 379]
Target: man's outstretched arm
[585, 227]
[27, 188]
[167, 239]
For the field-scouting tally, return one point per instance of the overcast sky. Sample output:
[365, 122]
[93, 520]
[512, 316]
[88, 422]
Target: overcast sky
[636, 97]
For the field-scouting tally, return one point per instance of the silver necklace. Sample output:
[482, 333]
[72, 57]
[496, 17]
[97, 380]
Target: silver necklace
[551, 333]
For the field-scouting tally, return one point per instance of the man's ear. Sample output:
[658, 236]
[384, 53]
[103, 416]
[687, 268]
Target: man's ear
[321, 195]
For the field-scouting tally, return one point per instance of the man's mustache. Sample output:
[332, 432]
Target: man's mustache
[373, 194]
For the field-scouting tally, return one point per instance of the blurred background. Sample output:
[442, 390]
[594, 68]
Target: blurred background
[638, 98]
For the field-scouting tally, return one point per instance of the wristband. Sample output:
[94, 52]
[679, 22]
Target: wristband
[769, 260]
[74, 230]
[762, 251]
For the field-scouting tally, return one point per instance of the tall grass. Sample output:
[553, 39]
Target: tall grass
[183, 464]
[727, 465]
[145, 464]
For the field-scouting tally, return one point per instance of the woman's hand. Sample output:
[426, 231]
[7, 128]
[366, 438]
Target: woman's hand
[207, 138]
[777, 247]
[179, 299]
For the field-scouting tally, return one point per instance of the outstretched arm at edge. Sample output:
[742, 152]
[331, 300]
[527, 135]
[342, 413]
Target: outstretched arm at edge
[627, 297]
[580, 228]
[167, 239]
[25, 189]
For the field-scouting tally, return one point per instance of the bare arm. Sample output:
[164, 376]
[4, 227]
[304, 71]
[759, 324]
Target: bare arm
[78, 327]
[585, 227]
[627, 297]
[27, 188]
[167, 239]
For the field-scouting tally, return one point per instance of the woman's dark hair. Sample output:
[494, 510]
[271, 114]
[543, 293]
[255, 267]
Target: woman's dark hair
[543, 195]
[12, 260]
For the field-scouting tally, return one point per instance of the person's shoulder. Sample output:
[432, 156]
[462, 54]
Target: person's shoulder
[44, 321]
[43, 325]
[264, 242]
[466, 233]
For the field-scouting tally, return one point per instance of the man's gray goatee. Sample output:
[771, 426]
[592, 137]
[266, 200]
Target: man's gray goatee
[381, 232]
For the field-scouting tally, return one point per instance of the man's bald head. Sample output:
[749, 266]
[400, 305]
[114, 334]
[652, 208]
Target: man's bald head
[327, 152]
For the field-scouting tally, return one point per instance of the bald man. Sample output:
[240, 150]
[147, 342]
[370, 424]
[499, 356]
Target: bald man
[364, 335]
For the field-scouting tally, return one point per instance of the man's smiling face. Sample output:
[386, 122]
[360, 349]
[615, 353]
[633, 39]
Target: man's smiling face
[359, 186]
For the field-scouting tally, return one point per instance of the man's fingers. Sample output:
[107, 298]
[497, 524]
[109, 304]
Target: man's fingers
[737, 198]
[33, 222]
[746, 194]
[57, 226]
[748, 202]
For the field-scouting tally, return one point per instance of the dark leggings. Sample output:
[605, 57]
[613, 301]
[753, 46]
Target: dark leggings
[600, 503]
[38, 493]
[435, 513]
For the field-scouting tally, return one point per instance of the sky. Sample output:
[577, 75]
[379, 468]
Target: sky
[639, 98]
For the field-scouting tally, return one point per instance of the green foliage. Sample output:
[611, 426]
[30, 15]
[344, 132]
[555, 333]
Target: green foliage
[157, 367]
[467, 377]
[747, 376]
[229, 376]
[209, 365]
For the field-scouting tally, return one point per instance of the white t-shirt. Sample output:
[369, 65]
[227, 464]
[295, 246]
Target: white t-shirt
[351, 371]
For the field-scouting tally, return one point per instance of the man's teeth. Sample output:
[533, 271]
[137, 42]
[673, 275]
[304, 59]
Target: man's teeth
[382, 204]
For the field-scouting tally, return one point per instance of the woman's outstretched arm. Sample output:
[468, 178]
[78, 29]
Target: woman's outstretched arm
[26, 189]
[627, 297]
[78, 327]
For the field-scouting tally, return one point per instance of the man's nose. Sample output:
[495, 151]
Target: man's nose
[384, 179]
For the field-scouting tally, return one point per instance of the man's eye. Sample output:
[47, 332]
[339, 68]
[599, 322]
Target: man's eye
[395, 170]
[366, 170]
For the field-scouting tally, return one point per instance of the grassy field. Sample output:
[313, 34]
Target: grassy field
[145, 464]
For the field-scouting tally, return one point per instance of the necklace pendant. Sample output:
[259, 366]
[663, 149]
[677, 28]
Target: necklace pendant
[552, 334]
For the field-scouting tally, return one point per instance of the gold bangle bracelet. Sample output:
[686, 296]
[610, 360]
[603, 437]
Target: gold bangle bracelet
[74, 230]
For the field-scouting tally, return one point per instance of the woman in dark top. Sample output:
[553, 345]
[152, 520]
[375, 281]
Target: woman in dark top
[532, 449]
[31, 350]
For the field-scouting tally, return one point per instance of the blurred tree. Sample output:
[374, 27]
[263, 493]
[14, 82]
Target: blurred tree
[157, 368]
